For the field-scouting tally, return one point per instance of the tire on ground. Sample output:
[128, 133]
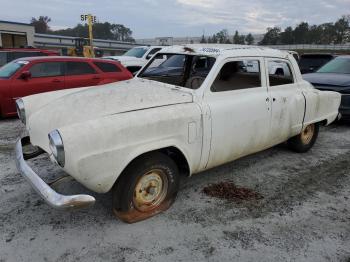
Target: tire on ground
[305, 140]
[148, 186]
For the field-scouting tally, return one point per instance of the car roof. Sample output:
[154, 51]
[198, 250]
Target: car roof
[63, 58]
[223, 50]
[149, 46]
[27, 50]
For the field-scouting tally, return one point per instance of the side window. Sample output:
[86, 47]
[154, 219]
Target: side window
[47, 69]
[237, 75]
[3, 58]
[107, 67]
[279, 73]
[79, 68]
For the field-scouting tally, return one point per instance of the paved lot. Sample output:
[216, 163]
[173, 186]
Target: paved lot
[304, 215]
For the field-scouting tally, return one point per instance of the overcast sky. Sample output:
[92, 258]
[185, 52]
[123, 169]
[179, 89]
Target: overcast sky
[155, 18]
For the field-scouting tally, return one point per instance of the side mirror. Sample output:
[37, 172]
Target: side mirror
[149, 56]
[25, 75]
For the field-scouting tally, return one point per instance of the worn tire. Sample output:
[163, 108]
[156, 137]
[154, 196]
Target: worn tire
[305, 140]
[148, 186]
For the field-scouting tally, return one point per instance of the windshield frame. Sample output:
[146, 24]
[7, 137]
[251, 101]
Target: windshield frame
[146, 66]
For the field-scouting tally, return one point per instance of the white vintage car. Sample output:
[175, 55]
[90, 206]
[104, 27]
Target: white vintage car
[136, 57]
[199, 109]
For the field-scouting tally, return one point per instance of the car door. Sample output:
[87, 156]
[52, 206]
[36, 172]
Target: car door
[288, 102]
[44, 77]
[80, 74]
[239, 107]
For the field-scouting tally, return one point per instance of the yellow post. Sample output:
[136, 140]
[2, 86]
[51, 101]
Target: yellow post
[90, 21]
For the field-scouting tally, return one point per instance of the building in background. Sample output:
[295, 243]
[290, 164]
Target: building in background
[13, 34]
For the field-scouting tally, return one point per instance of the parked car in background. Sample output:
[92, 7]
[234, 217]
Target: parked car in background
[309, 63]
[334, 76]
[136, 57]
[27, 76]
[9, 54]
[137, 136]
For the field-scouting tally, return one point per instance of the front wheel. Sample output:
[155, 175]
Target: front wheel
[305, 140]
[147, 187]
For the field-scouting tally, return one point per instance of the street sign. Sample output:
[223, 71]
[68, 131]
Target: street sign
[86, 18]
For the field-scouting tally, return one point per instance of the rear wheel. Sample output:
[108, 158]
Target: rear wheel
[147, 187]
[305, 140]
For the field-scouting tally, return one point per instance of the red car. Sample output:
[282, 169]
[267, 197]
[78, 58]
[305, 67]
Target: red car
[9, 54]
[32, 75]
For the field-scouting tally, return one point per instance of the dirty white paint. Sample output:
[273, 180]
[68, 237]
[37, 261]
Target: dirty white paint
[105, 128]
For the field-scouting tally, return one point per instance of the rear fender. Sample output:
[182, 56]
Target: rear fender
[321, 106]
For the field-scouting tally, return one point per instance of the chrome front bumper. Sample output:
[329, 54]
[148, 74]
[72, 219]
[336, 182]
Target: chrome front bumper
[50, 196]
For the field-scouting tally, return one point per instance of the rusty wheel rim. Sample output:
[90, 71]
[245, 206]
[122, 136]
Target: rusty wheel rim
[151, 190]
[307, 134]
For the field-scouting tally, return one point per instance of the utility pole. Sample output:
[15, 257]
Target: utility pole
[91, 39]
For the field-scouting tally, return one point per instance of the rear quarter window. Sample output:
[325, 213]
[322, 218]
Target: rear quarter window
[107, 67]
[79, 68]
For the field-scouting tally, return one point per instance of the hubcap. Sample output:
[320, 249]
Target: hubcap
[307, 134]
[150, 190]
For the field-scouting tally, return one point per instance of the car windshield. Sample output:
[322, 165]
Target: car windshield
[188, 71]
[339, 65]
[11, 68]
[136, 52]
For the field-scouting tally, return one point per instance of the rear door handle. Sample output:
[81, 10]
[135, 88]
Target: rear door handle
[57, 81]
[96, 78]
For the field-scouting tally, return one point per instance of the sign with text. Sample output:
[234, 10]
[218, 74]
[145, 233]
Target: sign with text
[86, 18]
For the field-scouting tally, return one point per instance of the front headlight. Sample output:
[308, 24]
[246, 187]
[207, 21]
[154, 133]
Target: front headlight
[20, 110]
[56, 147]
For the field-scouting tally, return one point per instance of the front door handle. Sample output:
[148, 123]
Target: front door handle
[57, 81]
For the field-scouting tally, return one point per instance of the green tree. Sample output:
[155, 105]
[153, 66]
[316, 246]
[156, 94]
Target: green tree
[249, 39]
[272, 36]
[41, 25]
[301, 33]
[203, 40]
[287, 37]
[223, 37]
[342, 30]
[104, 30]
[238, 39]
[214, 39]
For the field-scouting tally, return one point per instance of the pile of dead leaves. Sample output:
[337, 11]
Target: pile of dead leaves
[229, 191]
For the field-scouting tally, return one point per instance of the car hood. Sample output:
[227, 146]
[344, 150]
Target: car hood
[329, 81]
[84, 104]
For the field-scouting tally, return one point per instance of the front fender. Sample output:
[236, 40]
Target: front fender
[97, 151]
